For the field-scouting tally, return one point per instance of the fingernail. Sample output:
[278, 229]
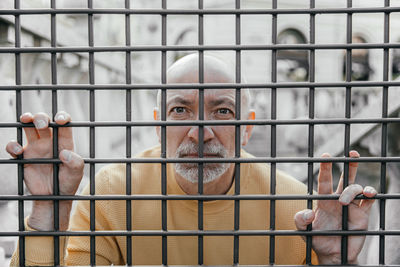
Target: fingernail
[60, 117]
[17, 149]
[40, 124]
[67, 155]
[369, 190]
[345, 199]
[307, 215]
[23, 115]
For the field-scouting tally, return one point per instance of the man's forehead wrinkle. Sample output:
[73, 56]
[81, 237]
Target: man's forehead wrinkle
[213, 97]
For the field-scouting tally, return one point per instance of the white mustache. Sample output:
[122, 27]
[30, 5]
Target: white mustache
[208, 148]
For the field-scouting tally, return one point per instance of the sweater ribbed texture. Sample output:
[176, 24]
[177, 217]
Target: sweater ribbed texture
[181, 215]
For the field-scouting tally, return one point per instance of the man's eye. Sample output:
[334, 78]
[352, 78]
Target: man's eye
[178, 109]
[224, 111]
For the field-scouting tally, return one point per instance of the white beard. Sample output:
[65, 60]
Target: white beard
[211, 171]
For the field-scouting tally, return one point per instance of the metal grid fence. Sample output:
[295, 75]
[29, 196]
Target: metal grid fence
[273, 86]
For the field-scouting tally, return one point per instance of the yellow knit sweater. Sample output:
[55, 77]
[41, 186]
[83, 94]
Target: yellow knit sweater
[181, 215]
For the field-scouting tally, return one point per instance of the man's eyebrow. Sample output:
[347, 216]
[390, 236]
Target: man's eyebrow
[179, 100]
[220, 101]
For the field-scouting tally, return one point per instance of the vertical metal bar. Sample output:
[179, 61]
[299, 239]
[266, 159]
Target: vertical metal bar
[237, 136]
[345, 216]
[273, 133]
[384, 136]
[18, 81]
[54, 106]
[92, 139]
[128, 80]
[201, 137]
[164, 134]
[311, 114]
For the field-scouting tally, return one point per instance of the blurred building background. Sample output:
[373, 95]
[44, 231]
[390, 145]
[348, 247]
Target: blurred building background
[292, 66]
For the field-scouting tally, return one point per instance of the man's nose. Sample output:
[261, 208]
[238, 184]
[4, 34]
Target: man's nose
[194, 133]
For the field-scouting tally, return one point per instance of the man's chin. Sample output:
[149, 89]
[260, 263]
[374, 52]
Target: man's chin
[191, 173]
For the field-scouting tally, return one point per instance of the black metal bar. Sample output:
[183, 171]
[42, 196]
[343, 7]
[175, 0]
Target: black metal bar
[189, 197]
[54, 106]
[158, 48]
[274, 36]
[346, 149]
[311, 115]
[209, 160]
[159, 233]
[18, 81]
[238, 102]
[220, 11]
[128, 80]
[210, 122]
[164, 133]
[384, 136]
[316, 85]
[200, 206]
[207, 233]
[92, 137]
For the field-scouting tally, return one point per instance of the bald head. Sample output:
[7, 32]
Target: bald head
[186, 70]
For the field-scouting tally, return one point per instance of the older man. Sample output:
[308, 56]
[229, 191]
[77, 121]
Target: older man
[182, 178]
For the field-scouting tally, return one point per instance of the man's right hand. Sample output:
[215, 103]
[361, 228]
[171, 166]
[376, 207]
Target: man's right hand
[39, 177]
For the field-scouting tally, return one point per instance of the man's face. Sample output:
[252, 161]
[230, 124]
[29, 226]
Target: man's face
[183, 141]
[219, 141]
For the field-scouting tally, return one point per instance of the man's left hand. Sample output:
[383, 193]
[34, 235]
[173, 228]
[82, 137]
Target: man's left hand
[328, 214]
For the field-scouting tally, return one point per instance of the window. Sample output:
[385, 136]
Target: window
[292, 64]
[361, 69]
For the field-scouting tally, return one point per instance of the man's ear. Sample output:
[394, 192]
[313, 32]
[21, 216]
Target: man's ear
[156, 116]
[248, 128]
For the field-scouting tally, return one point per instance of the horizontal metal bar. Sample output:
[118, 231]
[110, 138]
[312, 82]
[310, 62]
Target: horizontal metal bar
[203, 123]
[205, 233]
[85, 87]
[148, 11]
[237, 265]
[161, 48]
[188, 197]
[206, 160]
